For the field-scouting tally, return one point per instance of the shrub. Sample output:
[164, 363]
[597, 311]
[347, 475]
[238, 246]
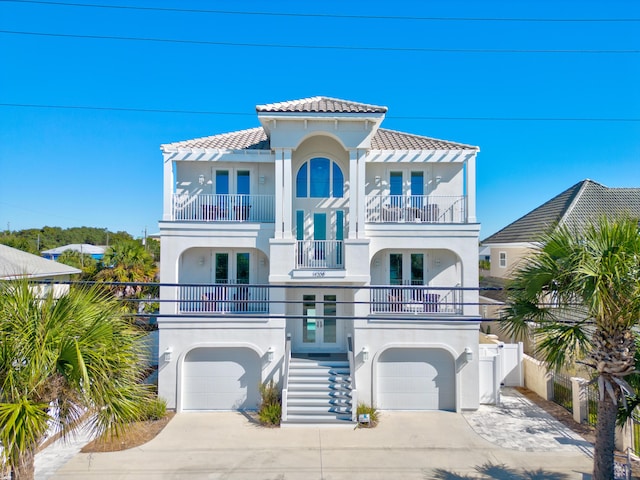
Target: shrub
[373, 414]
[270, 412]
[155, 409]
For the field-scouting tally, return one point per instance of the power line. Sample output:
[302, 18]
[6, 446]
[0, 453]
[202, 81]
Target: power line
[330, 15]
[207, 112]
[317, 47]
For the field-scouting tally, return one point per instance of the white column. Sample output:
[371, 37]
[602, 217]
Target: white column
[279, 193]
[354, 191]
[287, 197]
[361, 191]
[471, 189]
[169, 187]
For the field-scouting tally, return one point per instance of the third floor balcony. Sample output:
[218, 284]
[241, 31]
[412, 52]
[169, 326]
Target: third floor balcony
[223, 208]
[416, 208]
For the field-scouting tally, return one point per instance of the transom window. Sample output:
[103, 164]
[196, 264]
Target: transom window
[320, 178]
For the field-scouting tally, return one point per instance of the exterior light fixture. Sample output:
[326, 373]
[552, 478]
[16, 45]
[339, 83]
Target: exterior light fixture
[468, 354]
[201, 179]
[270, 354]
[365, 354]
[438, 179]
[167, 354]
[377, 178]
[261, 179]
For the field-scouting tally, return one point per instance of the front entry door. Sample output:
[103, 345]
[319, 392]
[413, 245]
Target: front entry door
[319, 329]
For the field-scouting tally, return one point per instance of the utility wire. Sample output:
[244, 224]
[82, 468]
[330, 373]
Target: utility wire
[319, 47]
[207, 112]
[330, 15]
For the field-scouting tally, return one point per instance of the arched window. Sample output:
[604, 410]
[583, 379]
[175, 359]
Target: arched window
[320, 178]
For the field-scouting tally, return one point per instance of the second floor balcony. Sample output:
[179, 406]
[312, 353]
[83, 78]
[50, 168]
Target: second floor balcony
[223, 298]
[416, 209]
[415, 299]
[223, 208]
[320, 254]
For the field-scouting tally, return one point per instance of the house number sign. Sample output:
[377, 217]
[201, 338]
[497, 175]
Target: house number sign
[318, 274]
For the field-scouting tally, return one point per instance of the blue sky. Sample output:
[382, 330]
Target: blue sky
[103, 168]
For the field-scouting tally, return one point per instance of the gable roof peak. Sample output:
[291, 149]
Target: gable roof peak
[320, 104]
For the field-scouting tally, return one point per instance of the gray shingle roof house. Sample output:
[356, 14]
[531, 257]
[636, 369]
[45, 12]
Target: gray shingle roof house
[584, 201]
[15, 264]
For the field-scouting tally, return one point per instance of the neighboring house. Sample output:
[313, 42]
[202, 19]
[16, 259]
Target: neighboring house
[358, 242]
[584, 201]
[15, 264]
[95, 251]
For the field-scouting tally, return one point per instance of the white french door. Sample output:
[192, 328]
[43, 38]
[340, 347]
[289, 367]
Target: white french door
[319, 329]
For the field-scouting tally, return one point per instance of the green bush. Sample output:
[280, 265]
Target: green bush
[373, 414]
[270, 412]
[155, 409]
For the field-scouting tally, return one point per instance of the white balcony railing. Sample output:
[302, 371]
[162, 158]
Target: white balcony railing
[223, 208]
[416, 208]
[415, 299]
[221, 298]
[320, 254]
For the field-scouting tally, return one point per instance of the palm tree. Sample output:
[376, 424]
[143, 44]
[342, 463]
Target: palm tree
[579, 294]
[127, 262]
[61, 361]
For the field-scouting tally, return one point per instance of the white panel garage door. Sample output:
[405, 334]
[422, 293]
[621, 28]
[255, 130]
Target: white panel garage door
[416, 379]
[220, 379]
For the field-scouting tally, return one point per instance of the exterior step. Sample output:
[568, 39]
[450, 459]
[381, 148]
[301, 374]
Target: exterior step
[319, 391]
[323, 419]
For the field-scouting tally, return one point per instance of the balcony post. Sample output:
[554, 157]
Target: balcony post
[361, 205]
[169, 188]
[279, 198]
[354, 191]
[287, 193]
[471, 189]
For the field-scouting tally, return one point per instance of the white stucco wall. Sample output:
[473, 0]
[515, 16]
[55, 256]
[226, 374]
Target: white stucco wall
[183, 334]
[379, 335]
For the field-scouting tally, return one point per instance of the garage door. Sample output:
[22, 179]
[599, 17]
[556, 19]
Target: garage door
[220, 379]
[416, 379]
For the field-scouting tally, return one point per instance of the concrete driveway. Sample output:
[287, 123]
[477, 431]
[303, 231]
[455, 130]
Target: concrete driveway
[405, 445]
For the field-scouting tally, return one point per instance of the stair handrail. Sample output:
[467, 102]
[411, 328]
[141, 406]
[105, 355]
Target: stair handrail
[285, 380]
[352, 374]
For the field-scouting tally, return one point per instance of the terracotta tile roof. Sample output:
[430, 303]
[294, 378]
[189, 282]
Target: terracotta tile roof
[584, 201]
[320, 105]
[256, 139]
[392, 140]
[250, 139]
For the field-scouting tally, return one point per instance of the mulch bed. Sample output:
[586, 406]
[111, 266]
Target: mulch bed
[138, 434]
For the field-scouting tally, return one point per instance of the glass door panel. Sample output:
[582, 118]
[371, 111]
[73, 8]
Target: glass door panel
[222, 268]
[395, 269]
[329, 332]
[309, 325]
[319, 234]
[242, 268]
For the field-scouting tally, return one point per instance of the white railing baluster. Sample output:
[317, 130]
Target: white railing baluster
[414, 299]
[320, 254]
[223, 298]
[415, 208]
[223, 208]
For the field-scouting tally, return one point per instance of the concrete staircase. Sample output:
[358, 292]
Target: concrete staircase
[319, 390]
